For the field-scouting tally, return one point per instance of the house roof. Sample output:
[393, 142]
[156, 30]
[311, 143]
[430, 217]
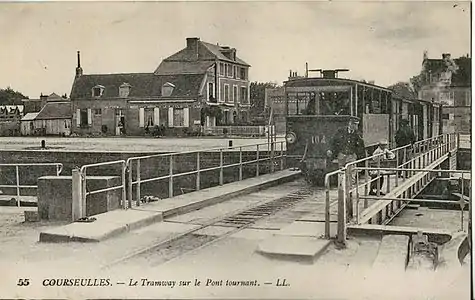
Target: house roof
[143, 85]
[29, 116]
[205, 51]
[178, 67]
[55, 110]
[216, 50]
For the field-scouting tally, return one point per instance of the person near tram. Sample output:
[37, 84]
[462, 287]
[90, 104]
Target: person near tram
[380, 155]
[348, 146]
[404, 136]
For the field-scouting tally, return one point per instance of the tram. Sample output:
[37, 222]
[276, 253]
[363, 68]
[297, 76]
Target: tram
[316, 107]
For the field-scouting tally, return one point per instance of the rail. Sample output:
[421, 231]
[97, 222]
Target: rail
[17, 185]
[197, 162]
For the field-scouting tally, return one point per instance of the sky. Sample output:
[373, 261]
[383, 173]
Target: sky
[380, 41]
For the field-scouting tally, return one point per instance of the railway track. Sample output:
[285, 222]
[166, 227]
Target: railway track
[191, 240]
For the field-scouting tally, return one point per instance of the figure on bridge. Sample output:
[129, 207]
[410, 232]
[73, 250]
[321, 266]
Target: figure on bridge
[404, 136]
[383, 155]
[347, 145]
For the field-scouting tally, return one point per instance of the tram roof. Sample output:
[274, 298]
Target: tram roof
[318, 80]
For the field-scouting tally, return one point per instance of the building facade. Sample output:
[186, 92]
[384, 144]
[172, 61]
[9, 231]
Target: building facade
[448, 81]
[200, 85]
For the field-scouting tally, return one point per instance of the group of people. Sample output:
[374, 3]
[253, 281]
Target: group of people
[348, 146]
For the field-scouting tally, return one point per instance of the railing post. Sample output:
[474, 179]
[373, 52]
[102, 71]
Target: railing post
[170, 181]
[240, 163]
[462, 204]
[124, 185]
[281, 156]
[17, 173]
[198, 173]
[341, 230]
[129, 183]
[137, 191]
[77, 209]
[357, 199]
[366, 173]
[221, 175]
[272, 168]
[257, 161]
[327, 207]
[83, 193]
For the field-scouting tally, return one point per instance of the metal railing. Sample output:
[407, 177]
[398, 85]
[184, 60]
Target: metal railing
[194, 160]
[401, 196]
[407, 159]
[17, 185]
[80, 190]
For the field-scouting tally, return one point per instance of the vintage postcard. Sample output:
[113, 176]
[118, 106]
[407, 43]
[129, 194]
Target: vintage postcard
[235, 150]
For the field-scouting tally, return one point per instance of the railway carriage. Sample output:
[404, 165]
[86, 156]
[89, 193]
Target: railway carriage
[317, 107]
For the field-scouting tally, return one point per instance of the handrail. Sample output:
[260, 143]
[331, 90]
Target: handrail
[18, 186]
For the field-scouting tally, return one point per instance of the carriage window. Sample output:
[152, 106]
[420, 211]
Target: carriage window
[334, 103]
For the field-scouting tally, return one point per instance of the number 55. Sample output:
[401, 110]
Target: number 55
[23, 282]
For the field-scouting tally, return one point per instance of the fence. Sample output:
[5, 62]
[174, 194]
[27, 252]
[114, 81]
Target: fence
[170, 172]
[35, 173]
[407, 159]
[201, 169]
[237, 130]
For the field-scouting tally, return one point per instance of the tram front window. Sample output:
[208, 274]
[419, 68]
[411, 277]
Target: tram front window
[335, 103]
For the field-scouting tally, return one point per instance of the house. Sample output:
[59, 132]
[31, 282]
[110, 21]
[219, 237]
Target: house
[35, 105]
[448, 81]
[53, 119]
[200, 85]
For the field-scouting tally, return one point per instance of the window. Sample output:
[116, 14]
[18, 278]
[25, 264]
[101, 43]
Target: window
[235, 94]
[211, 92]
[229, 70]
[243, 73]
[167, 89]
[149, 117]
[84, 118]
[221, 68]
[244, 95]
[226, 92]
[97, 91]
[124, 90]
[97, 111]
[178, 117]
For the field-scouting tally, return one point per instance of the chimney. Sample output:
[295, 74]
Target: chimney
[192, 45]
[78, 68]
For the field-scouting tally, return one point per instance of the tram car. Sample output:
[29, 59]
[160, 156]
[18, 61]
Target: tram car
[317, 107]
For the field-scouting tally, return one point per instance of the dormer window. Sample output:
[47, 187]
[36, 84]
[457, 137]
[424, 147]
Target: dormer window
[167, 89]
[124, 90]
[97, 91]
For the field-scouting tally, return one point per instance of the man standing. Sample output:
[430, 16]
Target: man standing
[404, 136]
[348, 146]
[382, 154]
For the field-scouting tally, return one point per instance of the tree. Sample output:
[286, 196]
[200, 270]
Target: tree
[258, 96]
[10, 97]
[403, 89]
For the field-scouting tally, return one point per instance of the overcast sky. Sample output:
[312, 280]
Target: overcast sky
[380, 41]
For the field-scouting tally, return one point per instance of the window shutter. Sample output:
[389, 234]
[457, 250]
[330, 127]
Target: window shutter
[78, 117]
[186, 117]
[170, 117]
[89, 116]
[156, 116]
[141, 117]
